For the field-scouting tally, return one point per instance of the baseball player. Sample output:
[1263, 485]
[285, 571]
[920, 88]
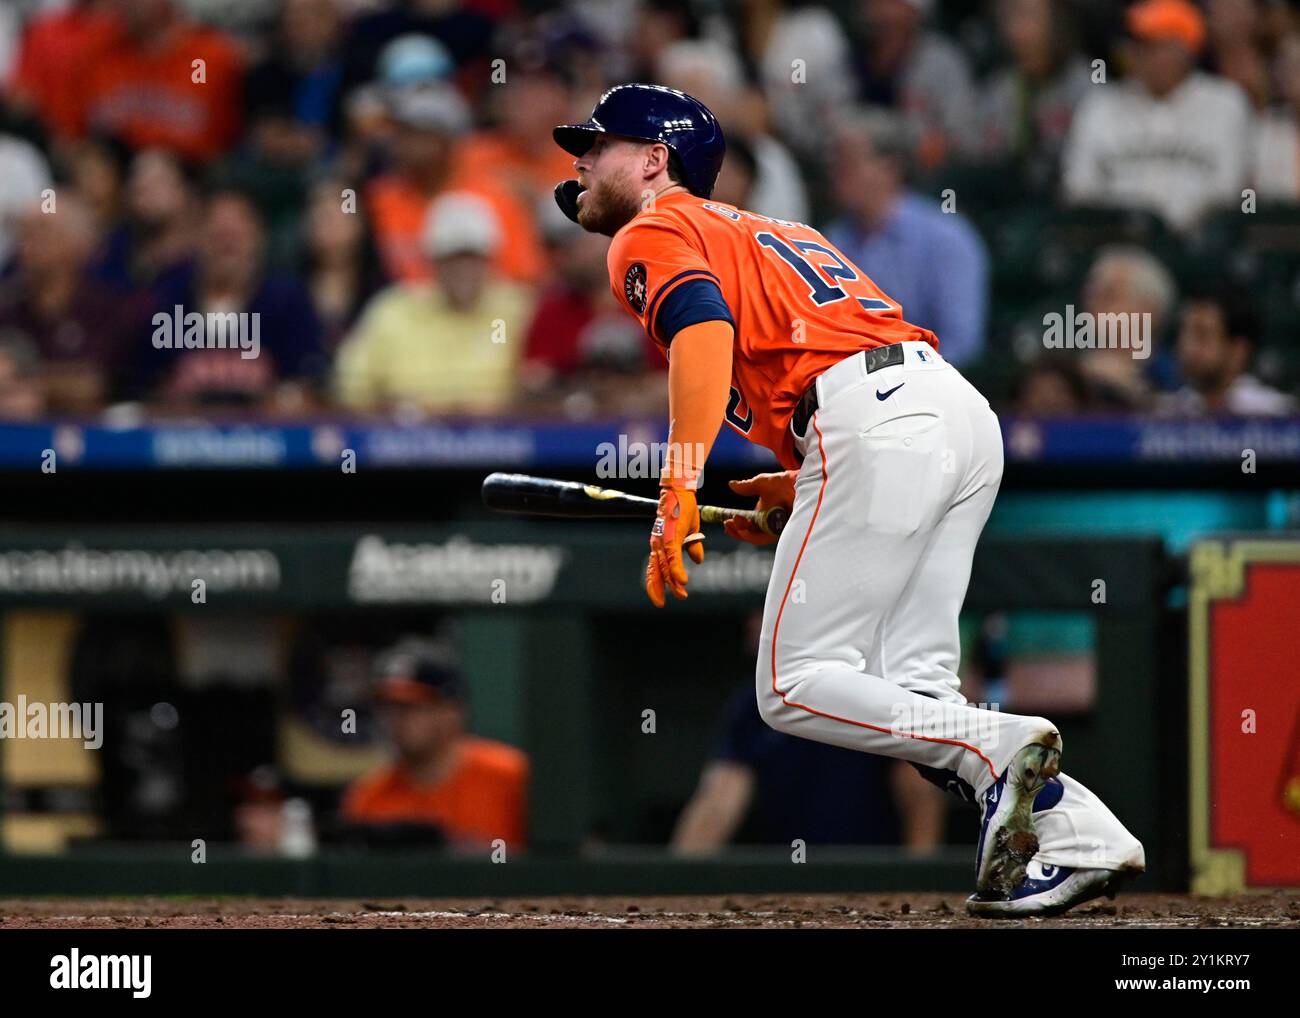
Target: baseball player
[892, 461]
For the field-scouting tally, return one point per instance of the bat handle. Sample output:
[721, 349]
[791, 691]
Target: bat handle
[771, 520]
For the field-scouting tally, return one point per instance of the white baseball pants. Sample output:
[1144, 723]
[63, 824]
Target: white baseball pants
[860, 643]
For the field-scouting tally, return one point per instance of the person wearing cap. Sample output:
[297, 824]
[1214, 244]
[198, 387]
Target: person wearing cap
[473, 790]
[427, 123]
[259, 813]
[447, 346]
[464, 33]
[1169, 138]
[771, 329]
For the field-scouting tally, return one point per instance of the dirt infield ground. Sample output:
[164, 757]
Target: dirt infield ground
[888, 911]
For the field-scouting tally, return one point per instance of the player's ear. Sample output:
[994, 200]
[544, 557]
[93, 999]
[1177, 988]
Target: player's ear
[656, 158]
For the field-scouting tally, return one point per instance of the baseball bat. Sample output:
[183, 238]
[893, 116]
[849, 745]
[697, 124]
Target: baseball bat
[541, 496]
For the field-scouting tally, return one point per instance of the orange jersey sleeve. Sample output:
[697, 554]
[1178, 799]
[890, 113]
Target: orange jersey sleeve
[796, 303]
[651, 259]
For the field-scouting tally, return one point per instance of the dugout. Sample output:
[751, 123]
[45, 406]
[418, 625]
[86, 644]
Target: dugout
[553, 628]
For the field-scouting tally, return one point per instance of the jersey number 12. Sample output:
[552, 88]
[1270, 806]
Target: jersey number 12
[821, 291]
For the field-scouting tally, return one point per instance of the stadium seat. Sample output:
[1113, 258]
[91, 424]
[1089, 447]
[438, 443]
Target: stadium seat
[1072, 237]
[1260, 249]
[1013, 240]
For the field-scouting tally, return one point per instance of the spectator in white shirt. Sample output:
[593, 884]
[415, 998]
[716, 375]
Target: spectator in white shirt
[1277, 142]
[1171, 139]
[1216, 343]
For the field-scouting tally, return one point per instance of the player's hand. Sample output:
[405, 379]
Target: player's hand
[770, 490]
[677, 524]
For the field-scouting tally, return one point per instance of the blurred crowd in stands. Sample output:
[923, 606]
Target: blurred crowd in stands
[373, 179]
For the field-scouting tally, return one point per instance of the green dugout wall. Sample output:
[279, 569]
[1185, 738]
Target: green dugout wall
[556, 631]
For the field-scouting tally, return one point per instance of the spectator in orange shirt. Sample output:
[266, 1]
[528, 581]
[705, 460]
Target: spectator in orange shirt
[427, 120]
[144, 89]
[56, 49]
[472, 790]
[519, 154]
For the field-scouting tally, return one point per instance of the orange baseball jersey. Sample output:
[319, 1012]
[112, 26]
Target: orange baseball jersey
[796, 303]
[145, 93]
[485, 797]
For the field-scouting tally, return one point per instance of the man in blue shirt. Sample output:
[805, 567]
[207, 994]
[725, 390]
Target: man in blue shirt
[930, 261]
[761, 786]
[765, 787]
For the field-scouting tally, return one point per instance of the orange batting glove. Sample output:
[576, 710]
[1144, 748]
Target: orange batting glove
[677, 524]
[770, 490]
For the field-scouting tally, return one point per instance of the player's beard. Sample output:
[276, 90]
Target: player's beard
[607, 207]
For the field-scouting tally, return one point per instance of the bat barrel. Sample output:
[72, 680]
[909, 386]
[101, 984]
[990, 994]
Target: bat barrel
[542, 496]
[521, 493]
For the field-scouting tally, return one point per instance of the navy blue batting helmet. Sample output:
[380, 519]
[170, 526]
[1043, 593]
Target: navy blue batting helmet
[655, 113]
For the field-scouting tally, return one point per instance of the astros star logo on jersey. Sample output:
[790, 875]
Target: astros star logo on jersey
[634, 287]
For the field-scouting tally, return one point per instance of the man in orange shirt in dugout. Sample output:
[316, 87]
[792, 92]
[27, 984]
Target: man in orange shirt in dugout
[473, 790]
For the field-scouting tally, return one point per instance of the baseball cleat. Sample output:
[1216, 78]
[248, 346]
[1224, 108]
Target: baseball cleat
[1008, 839]
[1049, 890]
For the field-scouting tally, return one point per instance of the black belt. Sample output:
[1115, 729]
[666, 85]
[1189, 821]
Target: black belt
[877, 358]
